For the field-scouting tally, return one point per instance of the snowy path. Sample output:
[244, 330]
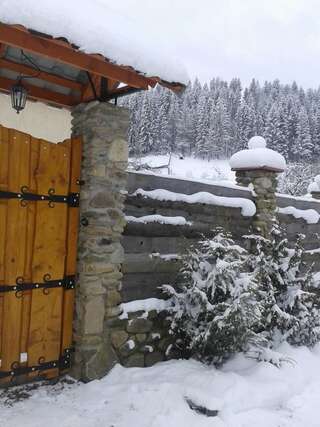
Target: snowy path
[247, 394]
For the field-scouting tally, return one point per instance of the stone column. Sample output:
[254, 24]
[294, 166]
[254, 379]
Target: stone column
[257, 168]
[103, 128]
[314, 187]
[264, 185]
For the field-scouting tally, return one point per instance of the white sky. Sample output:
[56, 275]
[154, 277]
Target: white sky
[265, 39]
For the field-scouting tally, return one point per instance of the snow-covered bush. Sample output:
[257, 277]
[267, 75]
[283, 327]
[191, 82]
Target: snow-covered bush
[231, 300]
[216, 311]
[291, 310]
[296, 178]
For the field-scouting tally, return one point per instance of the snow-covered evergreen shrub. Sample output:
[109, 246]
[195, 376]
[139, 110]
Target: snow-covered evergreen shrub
[232, 300]
[296, 178]
[216, 310]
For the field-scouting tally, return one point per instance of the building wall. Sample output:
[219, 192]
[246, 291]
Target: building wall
[37, 119]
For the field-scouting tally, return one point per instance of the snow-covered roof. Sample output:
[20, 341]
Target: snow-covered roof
[258, 156]
[96, 28]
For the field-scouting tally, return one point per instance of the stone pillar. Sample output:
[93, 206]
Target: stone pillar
[103, 128]
[257, 168]
[264, 185]
[314, 187]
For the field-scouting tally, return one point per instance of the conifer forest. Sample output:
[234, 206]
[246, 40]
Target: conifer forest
[215, 120]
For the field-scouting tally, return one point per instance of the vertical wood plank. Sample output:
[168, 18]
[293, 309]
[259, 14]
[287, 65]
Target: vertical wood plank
[49, 255]
[15, 247]
[72, 240]
[31, 214]
[4, 159]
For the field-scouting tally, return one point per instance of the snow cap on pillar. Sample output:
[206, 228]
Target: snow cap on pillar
[258, 156]
[314, 186]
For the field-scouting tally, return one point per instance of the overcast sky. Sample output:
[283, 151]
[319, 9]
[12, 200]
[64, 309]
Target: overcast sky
[264, 39]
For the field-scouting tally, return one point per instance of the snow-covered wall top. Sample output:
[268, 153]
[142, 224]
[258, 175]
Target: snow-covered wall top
[96, 28]
[258, 156]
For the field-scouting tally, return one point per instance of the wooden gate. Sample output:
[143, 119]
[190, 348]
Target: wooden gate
[39, 199]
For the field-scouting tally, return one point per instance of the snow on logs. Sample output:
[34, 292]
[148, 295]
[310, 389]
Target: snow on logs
[247, 207]
[258, 156]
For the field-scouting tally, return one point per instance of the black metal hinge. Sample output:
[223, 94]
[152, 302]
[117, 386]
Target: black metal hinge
[68, 282]
[71, 199]
[64, 362]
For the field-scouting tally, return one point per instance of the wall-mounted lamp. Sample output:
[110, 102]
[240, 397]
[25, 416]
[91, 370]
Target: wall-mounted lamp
[18, 91]
[18, 97]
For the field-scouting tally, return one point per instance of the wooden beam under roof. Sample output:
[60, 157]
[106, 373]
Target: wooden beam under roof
[66, 54]
[40, 94]
[43, 75]
[2, 49]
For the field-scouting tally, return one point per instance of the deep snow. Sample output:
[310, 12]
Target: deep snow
[247, 394]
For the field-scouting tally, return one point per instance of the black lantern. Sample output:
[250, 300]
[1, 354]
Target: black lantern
[18, 97]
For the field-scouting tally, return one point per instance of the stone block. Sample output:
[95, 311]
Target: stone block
[141, 337]
[113, 298]
[103, 199]
[93, 315]
[118, 150]
[127, 348]
[92, 287]
[118, 337]
[152, 358]
[97, 267]
[139, 326]
[135, 361]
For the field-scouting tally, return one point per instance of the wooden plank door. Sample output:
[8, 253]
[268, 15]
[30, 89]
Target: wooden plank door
[38, 241]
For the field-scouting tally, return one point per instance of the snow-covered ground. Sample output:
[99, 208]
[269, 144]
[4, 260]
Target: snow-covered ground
[190, 168]
[246, 393]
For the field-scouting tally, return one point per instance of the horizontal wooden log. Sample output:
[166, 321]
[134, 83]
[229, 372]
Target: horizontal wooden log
[196, 231]
[143, 244]
[148, 263]
[144, 285]
[150, 205]
[152, 182]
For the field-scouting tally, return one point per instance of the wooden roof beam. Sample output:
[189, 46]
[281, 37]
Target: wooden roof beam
[48, 48]
[40, 94]
[2, 49]
[49, 77]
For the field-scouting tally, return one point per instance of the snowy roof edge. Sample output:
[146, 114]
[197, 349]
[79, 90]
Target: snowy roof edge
[150, 80]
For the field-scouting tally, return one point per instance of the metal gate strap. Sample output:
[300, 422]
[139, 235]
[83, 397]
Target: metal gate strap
[71, 199]
[64, 362]
[68, 282]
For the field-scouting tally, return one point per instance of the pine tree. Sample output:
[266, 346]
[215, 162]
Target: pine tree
[303, 146]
